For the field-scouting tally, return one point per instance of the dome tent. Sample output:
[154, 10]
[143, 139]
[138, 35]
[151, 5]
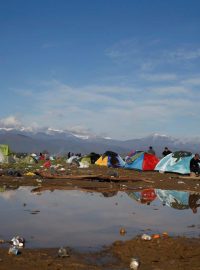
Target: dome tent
[91, 158]
[110, 159]
[140, 160]
[6, 154]
[177, 162]
[2, 158]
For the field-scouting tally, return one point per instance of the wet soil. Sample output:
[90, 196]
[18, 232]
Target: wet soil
[103, 179]
[158, 254]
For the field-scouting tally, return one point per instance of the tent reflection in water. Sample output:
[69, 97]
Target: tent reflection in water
[173, 198]
[145, 196]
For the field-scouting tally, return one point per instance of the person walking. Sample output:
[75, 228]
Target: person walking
[151, 151]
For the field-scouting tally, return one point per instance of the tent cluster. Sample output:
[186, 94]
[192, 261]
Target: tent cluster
[177, 162]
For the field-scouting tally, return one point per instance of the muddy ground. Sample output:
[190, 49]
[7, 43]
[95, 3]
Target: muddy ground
[158, 254]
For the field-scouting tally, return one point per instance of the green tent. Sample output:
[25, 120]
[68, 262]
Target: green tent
[5, 150]
[5, 154]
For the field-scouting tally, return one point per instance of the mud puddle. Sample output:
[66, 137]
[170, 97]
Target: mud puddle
[88, 221]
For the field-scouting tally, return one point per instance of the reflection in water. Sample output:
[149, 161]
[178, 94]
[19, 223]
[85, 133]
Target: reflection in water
[194, 201]
[179, 200]
[146, 196]
[81, 219]
[175, 199]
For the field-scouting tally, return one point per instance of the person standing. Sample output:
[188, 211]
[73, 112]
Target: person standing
[166, 152]
[194, 164]
[151, 151]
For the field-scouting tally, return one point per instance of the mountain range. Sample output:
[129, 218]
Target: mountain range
[61, 142]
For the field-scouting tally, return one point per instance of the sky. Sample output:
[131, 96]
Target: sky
[118, 68]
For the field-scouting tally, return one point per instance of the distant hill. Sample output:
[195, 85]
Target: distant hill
[61, 142]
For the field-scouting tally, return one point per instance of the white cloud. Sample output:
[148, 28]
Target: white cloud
[23, 92]
[153, 55]
[48, 45]
[194, 81]
[10, 122]
[171, 91]
[116, 111]
[159, 77]
[110, 112]
[183, 54]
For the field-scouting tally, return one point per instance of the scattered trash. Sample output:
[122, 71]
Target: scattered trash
[39, 180]
[18, 241]
[47, 164]
[134, 264]
[29, 174]
[84, 165]
[146, 237]
[13, 172]
[113, 174]
[62, 169]
[123, 186]
[62, 252]
[165, 234]
[122, 231]
[13, 250]
[156, 236]
[181, 182]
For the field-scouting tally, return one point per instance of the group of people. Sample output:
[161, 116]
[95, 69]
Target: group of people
[164, 153]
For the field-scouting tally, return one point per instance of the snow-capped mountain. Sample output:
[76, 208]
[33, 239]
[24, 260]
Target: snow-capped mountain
[62, 141]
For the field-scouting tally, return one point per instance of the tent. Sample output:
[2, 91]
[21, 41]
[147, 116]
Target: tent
[5, 154]
[90, 159]
[177, 162]
[2, 158]
[141, 160]
[72, 159]
[173, 198]
[110, 159]
[29, 159]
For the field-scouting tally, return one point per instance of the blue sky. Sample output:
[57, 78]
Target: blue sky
[119, 68]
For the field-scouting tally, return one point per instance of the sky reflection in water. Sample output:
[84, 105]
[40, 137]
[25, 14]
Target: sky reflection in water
[90, 220]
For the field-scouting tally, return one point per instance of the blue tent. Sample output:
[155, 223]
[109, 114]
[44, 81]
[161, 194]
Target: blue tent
[141, 160]
[177, 162]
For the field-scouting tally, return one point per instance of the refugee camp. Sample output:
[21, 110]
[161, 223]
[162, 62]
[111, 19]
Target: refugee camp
[99, 135]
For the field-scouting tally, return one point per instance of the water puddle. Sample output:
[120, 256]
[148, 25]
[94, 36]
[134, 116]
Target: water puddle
[90, 220]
